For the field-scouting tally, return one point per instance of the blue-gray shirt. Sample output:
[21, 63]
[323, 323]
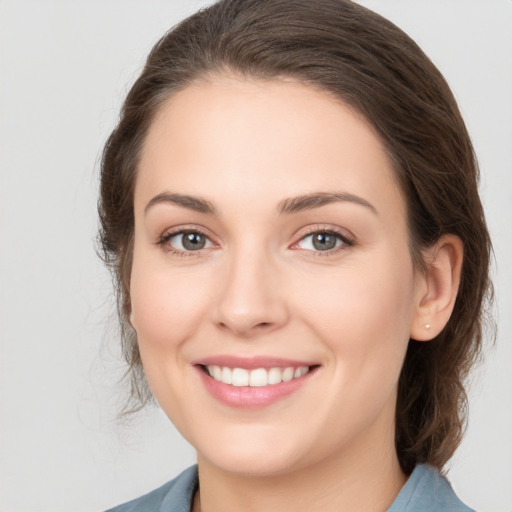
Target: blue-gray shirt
[425, 491]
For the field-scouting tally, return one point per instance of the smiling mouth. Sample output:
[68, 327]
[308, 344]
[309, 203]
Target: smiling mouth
[258, 377]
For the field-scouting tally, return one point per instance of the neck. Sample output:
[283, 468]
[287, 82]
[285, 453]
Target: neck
[362, 479]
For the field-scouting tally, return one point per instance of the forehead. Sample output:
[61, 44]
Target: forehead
[264, 140]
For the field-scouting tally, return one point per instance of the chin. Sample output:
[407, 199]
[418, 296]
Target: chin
[255, 457]
[251, 464]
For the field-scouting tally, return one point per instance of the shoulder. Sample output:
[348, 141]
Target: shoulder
[427, 490]
[175, 495]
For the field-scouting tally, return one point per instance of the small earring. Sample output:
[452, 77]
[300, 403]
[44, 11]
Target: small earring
[427, 326]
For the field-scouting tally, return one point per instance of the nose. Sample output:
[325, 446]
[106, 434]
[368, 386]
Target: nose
[250, 301]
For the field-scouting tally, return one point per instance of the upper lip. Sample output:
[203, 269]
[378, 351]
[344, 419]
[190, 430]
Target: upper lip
[251, 363]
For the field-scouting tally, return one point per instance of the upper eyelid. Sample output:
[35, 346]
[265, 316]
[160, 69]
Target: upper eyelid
[170, 232]
[311, 230]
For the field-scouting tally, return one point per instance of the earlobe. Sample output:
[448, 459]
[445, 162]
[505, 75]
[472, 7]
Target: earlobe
[438, 288]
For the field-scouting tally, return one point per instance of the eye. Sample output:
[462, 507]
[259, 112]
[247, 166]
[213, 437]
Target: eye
[185, 241]
[323, 241]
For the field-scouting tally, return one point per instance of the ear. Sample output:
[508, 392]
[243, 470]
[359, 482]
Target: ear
[437, 287]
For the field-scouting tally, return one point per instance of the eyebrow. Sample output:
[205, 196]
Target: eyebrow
[318, 199]
[286, 206]
[192, 203]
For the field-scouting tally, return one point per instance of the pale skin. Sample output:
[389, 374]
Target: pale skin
[225, 158]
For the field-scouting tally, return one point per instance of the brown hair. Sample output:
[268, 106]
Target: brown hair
[370, 64]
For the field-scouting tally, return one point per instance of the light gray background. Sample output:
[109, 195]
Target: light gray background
[64, 67]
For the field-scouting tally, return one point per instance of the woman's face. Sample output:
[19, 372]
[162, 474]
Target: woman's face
[272, 286]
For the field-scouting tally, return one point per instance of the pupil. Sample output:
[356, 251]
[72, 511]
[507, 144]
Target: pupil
[193, 241]
[324, 241]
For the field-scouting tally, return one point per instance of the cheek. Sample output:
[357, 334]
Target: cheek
[363, 318]
[167, 309]
[167, 306]
[363, 312]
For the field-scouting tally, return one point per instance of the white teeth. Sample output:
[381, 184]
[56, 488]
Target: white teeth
[216, 372]
[255, 378]
[240, 377]
[274, 376]
[258, 377]
[288, 374]
[226, 375]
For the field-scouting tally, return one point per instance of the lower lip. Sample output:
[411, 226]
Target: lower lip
[248, 397]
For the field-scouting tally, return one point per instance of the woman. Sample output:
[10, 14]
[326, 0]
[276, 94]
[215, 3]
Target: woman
[289, 204]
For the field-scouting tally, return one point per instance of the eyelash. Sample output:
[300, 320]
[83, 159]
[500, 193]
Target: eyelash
[347, 241]
[166, 237]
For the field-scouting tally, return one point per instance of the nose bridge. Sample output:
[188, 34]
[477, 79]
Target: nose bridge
[249, 300]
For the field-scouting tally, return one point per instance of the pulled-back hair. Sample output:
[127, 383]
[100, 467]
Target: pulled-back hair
[367, 62]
